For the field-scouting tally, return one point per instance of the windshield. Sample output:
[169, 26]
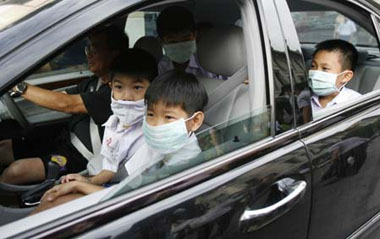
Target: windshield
[13, 10]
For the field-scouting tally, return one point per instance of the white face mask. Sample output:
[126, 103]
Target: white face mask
[180, 52]
[166, 138]
[128, 112]
[323, 83]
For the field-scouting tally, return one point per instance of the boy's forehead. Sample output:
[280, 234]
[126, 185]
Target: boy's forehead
[328, 57]
[165, 107]
[124, 78]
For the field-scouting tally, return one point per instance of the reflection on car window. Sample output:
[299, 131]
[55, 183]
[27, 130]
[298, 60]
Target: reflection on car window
[214, 142]
[13, 11]
[230, 124]
[141, 24]
[73, 59]
[317, 26]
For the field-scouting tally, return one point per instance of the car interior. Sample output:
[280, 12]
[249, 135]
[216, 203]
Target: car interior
[232, 118]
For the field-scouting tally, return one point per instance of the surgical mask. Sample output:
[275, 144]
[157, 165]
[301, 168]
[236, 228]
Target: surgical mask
[128, 112]
[166, 138]
[323, 83]
[180, 52]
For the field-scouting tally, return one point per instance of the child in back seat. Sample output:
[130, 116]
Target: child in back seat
[175, 103]
[132, 73]
[332, 68]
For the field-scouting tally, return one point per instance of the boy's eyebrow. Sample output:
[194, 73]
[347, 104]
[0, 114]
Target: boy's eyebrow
[139, 80]
[116, 80]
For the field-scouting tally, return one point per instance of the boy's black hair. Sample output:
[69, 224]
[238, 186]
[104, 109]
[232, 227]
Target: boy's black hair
[116, 37]
[173, 20]
[175, 88]
[135, 63]
[348, 53]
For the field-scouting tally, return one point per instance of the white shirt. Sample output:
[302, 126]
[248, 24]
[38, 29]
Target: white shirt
[193, 67]
[346, 28]
[145, 158]
[344, 96]
[118, 146]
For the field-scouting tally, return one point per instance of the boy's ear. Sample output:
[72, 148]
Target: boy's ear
[196, 122]
[348, 76]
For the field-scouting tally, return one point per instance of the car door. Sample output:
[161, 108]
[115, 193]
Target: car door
[258, 187]
[344, 143]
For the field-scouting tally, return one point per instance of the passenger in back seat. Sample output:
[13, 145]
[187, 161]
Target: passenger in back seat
[332, 68]
[177, 31]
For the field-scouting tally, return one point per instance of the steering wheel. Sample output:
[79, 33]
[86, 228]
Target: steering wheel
[13, 110]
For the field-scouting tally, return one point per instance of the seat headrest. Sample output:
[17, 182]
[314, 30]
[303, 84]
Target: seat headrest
[362, 56]
[150, 44]
[221, 50]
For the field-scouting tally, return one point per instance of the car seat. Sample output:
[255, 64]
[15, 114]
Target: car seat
[222, 51]
[150, 44]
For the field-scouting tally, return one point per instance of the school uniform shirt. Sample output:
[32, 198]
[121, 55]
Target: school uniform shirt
[118, 146]
[344, 96]
[193, 67]
[146, 160]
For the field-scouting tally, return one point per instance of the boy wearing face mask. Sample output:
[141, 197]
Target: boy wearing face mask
[332, 68]
[132, 73]
[177, 30]
[175, 103]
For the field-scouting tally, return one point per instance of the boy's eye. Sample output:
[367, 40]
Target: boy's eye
[138, 87]
[149, 114]
[118, 87]
[169, 117]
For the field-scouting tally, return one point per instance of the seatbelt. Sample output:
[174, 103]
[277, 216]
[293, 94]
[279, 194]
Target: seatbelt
[94, 134]
[226, 87]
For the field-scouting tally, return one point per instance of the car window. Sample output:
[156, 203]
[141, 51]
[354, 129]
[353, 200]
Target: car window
[316, 22]
[71, 60]
[317, 26]
[238, 118]
[139, 24]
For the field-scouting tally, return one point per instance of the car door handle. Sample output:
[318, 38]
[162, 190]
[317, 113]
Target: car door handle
[252, 220]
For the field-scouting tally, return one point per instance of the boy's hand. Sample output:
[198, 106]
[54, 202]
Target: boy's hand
[74, 177]
[59, 190]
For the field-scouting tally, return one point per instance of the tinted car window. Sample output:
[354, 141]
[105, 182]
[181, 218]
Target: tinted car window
[316, 22]
[230, 124]
[317, 26]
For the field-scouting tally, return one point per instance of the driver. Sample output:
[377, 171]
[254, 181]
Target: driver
[89, 103]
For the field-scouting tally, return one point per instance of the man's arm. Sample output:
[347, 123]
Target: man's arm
[54, 100]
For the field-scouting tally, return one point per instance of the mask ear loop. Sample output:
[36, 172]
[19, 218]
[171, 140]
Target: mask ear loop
[189, 134]
[340, 88]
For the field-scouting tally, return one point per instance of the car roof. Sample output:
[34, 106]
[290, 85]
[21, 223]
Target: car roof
[40, 20]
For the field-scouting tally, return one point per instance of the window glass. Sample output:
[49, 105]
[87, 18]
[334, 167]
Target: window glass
[317, 26]
[317, 22]
[13, 11]
[231, 123]
[141, 24]
[72, 59]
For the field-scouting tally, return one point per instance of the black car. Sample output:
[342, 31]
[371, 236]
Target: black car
[268, 168]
